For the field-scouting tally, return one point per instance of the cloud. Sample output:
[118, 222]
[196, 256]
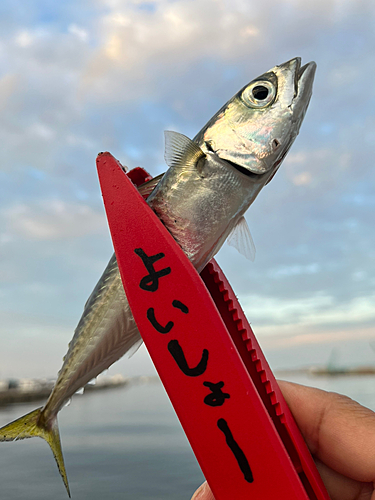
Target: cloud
[24, 334]
[316, 310]
[79, 32]
[138, 46]
[123, 53]
[78, 78]
[53, 219]
[294, 269]
[8, 86]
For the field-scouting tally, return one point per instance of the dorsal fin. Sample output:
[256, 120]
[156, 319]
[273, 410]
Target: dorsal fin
[241, 239]
[180, 151]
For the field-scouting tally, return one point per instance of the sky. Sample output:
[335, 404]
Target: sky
[79, 77]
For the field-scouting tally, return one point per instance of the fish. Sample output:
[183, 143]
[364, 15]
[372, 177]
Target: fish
[201, 199]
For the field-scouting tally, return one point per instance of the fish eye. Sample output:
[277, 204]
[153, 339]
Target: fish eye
[259, 94]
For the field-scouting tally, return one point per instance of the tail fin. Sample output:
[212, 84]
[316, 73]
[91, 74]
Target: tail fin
[29, 426]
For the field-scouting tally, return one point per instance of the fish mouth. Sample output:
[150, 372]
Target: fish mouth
[302, 76]
[244, 170]
[296, 62]
[310, 66]
[303, 79]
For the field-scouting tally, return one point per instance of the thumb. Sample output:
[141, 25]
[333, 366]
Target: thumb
[203, 493]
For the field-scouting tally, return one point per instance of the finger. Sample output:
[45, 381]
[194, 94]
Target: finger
[340, 487]
[203, 493]
[338, 431]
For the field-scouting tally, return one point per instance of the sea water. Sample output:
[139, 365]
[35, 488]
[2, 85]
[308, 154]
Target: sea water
[122, 444]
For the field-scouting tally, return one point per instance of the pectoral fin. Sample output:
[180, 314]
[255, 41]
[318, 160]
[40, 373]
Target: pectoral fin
[241, 239]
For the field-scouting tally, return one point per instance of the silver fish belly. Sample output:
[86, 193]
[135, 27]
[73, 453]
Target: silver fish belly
[106, 331]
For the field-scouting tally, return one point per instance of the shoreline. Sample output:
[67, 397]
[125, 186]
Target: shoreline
[328, 371]
[13, 391]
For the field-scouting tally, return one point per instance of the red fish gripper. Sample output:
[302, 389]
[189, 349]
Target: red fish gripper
[216, 376]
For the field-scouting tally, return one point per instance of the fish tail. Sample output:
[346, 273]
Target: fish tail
[31, 425]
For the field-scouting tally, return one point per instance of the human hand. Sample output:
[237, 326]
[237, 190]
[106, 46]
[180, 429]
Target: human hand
[340, 434]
